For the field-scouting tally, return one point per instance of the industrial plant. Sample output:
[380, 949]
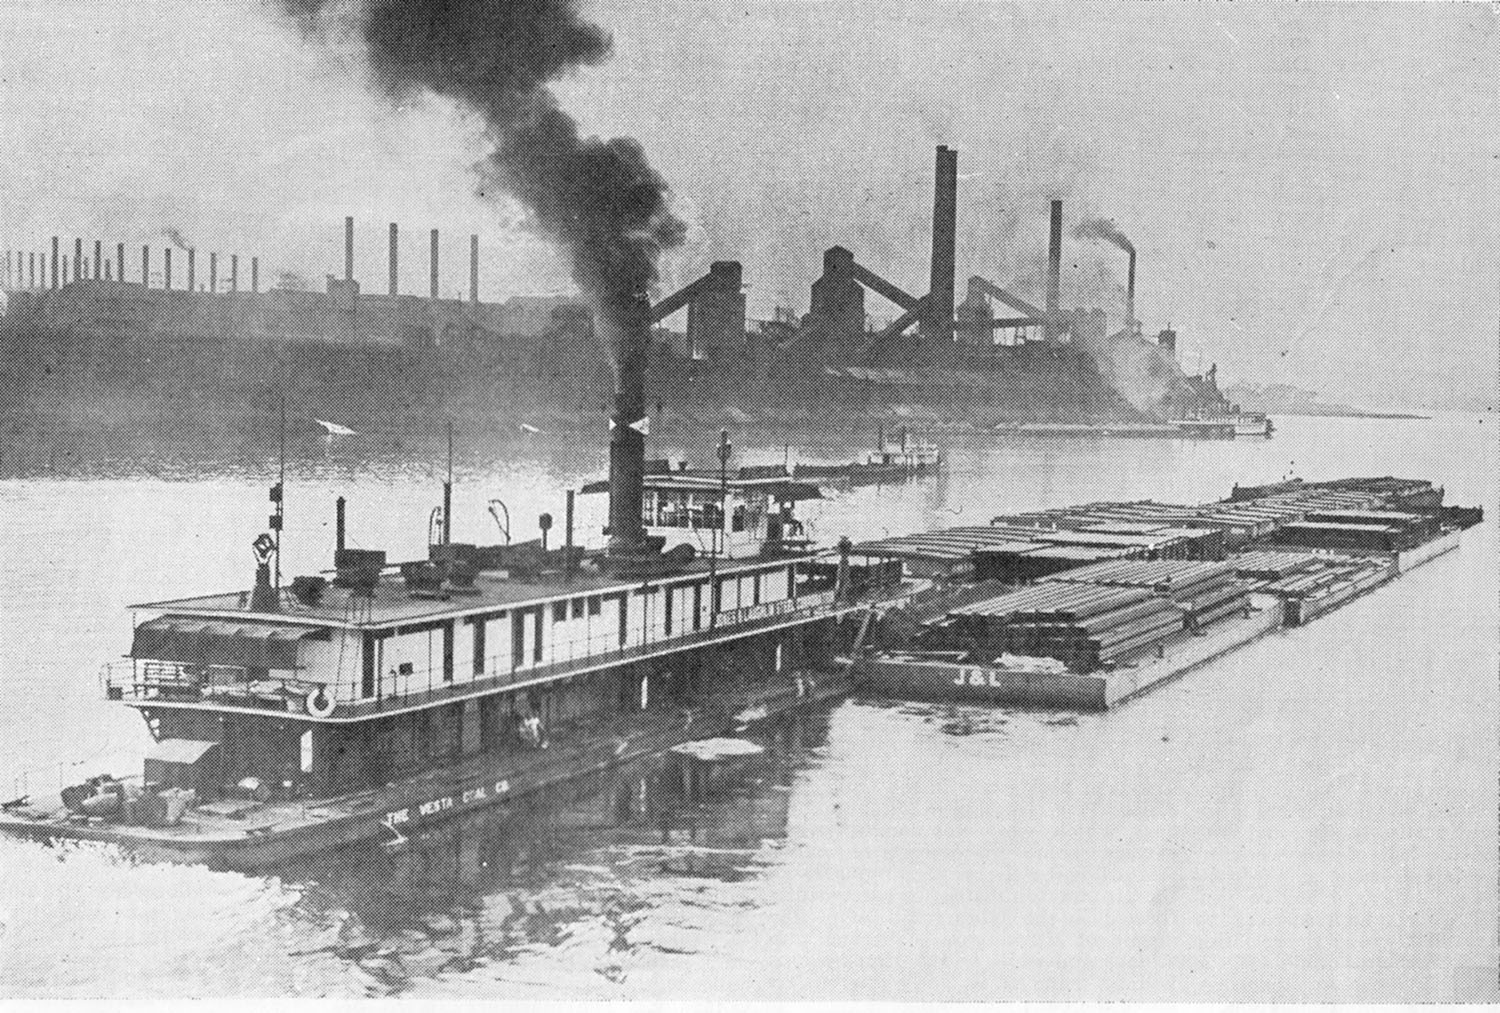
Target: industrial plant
[92, 330]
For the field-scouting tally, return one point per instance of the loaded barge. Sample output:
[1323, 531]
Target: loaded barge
[1086, 607]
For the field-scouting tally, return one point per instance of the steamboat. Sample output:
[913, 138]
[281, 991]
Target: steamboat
[365, 701]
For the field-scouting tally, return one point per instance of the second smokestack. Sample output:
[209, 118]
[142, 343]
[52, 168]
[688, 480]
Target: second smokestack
[939, 322]
[1054, 270]
[434, 265]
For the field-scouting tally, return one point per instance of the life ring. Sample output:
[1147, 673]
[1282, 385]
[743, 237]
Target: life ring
[319, 703]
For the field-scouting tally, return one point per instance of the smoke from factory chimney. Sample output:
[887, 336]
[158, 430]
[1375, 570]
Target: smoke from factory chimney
[599, 199]
[1109, 232]
[939, 321]
[1054, 271]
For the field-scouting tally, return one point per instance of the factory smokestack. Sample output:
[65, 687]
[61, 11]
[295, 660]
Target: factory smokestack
[433, 262]
[473, 269]
[166, 278]
[54, 262]
[1054, 270]
[599, 199]
[349, 248]
[119, 262]
[394, 243]
[939, 323]
[78, 259]
[1130, 295]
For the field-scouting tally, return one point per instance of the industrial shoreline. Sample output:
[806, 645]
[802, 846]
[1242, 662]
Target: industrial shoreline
[84, 346]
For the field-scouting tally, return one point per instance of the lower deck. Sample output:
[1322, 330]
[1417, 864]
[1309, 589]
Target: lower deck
[246, 834]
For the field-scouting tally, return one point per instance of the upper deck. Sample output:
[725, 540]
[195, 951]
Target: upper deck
[367, 654]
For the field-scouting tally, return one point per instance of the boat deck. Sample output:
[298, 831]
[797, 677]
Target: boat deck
[576, 749]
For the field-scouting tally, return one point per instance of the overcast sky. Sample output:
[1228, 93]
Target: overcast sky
[1315, 190]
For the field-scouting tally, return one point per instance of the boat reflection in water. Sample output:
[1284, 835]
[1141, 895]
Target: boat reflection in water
[585, 859]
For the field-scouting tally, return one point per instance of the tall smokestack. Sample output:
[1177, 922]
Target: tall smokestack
[627, 443]
[78, 259]
[1054, 270]
[234, 272]
[1130, 295]
[254, 274]
[119, 262]
[473, 269]
[393, 256]
[349, 248]
[213, 271]
[145, 266]
[192, 280]
[31, 268]
[166, 277]
[338, 530]
[54, 262]
[98, 258]
[939, 322]
[434, 263]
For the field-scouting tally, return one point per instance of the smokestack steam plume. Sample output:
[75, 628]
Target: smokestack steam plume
[599, 199]
[1109, 232]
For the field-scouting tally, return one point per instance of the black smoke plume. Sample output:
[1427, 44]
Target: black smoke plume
[599, 199]
[1103, 228]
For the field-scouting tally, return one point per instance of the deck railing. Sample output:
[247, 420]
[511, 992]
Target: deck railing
[169, 682]
[140, 680]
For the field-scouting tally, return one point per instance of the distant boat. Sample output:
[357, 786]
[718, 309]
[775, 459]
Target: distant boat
[334, 429]
[526, 428]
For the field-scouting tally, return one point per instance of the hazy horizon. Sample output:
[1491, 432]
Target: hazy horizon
[1313, 189]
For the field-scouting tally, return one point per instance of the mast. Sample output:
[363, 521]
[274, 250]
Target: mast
[278, 493]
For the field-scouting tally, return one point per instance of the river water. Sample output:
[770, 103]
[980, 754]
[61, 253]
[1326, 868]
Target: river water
[1310, 818]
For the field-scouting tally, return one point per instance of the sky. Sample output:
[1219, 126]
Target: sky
[1314, 190]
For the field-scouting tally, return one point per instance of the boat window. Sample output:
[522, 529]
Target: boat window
[559, 611]
[405, 668]
[737, 521]
[577, 608]
[479, 647]
[595, 605]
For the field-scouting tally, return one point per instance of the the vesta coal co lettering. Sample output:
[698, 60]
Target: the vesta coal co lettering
[437, 805]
